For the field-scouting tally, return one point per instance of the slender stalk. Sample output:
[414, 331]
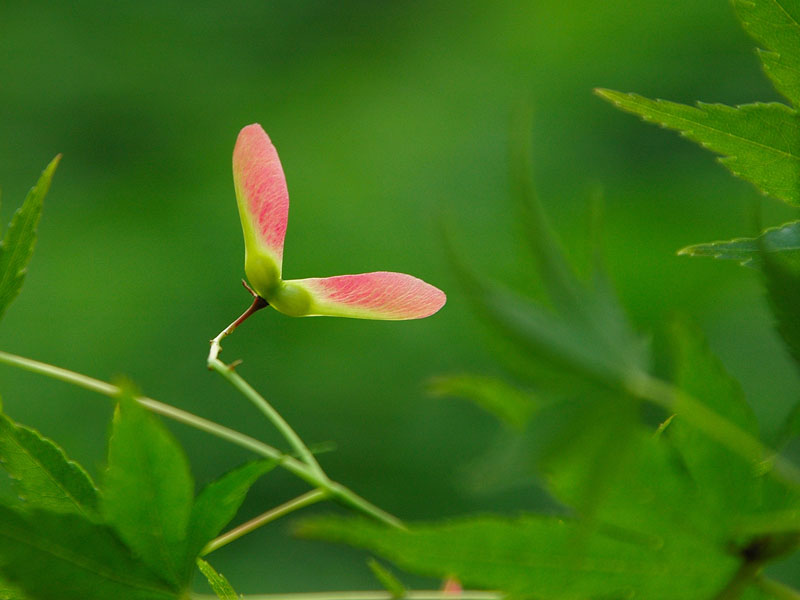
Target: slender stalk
[306, 499]
[227, 371]
[273, 415]
[370, 595]
[258, 304]
[291, 464]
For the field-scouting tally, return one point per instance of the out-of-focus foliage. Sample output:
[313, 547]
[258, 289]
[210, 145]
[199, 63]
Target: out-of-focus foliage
[693, 486]
[394, 110]
[654, 512]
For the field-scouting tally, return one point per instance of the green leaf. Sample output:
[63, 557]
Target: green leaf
[584, 331]
[783, 240]
[9, 591]
[591, 347]
[555, 271]
[51, 555]
[776, 25]
[590, 310]
[758, 142]
[505, 401]
[388, 581]
[42, 473]
[221, 586]
[148, 490]
[782, 280]
[791, 425]
[583, 447]
[776, 253]
[218, 503]
[725, 479]
[20, 238]
[654, 497]
[534, 557]
[769, 589]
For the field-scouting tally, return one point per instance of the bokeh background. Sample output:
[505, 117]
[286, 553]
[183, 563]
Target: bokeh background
[388, 117]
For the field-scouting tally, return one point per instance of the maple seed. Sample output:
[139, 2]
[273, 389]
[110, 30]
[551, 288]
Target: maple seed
[263, 200]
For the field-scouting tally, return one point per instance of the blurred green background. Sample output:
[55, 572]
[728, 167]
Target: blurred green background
[387, 116]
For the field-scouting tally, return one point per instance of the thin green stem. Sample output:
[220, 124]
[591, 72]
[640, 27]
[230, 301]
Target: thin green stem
[228, 372]
[273, 415]
[291, 464]
[306, 499]
[776, 589]
[675, 400]
[371, 595]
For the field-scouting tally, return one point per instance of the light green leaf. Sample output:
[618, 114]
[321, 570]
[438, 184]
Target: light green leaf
[387, 580]
[582, 447]
[505, 401]
[42, 474]
[653, 497]
[148, 490]
[218, 503]
[775, 24]
[20, 238]
[758, 142]
[534, 557]
[9, 591]
[783, 240]
[730, 484]
[50, 555]
[221, 586]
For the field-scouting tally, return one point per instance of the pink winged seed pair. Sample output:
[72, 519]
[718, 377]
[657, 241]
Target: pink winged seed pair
[263, 201]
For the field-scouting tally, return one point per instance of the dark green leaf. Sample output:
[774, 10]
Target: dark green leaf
[556, 273]
[776, 252]
[586, 347]
[782, 279]
[534, 557]
[588, 310]
[388, 581]
[725, 479]
[769, 589]
[42, 474]
[791, 425]
[783, 240]
[759, 142]
[52, 555]
[218, 503]
[221, 586]
[774, 23]
[507, 402]
[148, 490]
[20, 238]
